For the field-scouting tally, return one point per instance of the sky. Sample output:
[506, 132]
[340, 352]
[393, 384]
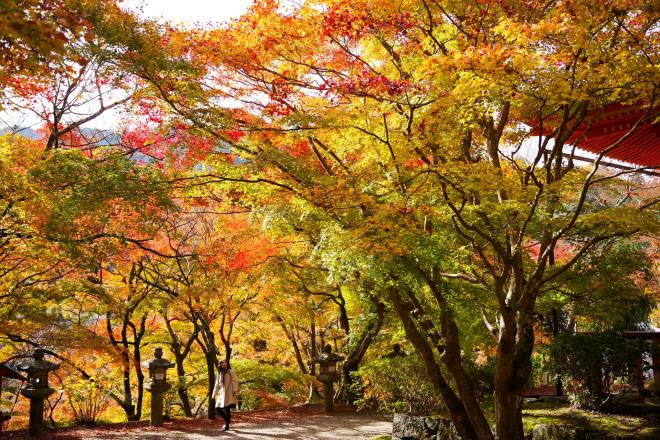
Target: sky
[189, 11]
[186, 12]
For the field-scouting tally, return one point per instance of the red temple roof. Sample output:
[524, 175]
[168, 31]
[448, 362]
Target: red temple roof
[603, 128]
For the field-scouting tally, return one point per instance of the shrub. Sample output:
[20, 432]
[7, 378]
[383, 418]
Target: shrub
[482, 375]
[397, 384]
[86, 401]
[592, 362]
[264, 385]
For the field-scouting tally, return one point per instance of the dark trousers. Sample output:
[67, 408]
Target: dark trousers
[225, 413]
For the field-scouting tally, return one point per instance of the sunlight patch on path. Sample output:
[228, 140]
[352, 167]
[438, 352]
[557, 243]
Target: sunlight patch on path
[335, 427]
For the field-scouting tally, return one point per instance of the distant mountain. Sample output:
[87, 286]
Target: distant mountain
[104, 137]
[108, 137]
[25, 132]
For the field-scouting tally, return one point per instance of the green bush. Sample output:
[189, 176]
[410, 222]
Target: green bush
[482, 375]
[592, 362]
[265, 385]
[397, 384]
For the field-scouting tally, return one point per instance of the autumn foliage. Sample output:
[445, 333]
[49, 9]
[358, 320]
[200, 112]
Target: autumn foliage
[360, 173]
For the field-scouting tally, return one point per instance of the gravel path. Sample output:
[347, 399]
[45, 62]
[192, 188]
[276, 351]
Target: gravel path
[302, 423]
[325, 427]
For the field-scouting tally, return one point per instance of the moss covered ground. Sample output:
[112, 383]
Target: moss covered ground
[645, 423]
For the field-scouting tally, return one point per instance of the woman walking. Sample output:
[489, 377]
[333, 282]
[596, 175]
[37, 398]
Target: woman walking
[224, 393]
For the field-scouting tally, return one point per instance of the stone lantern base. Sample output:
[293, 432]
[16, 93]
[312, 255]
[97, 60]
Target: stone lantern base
[157, 390]
[36, 396]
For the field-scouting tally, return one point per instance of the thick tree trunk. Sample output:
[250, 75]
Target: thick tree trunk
[466, 392]
[454, 405]
[508, 414]
[451, 357]
[508, 401]
[513, 371]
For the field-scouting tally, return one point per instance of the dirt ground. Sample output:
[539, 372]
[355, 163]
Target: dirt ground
[298, 424]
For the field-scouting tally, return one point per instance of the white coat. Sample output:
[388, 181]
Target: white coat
[225, 391]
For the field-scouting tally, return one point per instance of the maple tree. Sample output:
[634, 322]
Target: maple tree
[25, 260]
[56, 226]
[42, 38]
[400, 126]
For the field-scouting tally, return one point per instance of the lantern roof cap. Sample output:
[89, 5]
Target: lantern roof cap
[37, 363]
[328, 356]
[157, 360]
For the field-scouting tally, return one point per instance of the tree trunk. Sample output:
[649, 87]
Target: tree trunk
[454, 405]
[206, 340]
[294, 345]
[228, 351]
[355, 356]
[451, 357]
[180, 352]
[512, 372]
[312, 340]
[211, 362]
[225, 337]
[210, 349]
[140, 396]
[126, 402]
[508, 401]
[508, 414]
[140, 382]
[181, 389]
[128, 406]
[137, 361]
[559, 386]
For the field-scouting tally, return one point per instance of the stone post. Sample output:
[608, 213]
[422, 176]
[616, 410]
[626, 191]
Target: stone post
[328, 375]
[157, 384]
[328, 394]
[37, 389]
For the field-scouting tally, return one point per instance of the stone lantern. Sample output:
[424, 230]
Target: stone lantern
[328, 374]
[37, 388]
[157, 384]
